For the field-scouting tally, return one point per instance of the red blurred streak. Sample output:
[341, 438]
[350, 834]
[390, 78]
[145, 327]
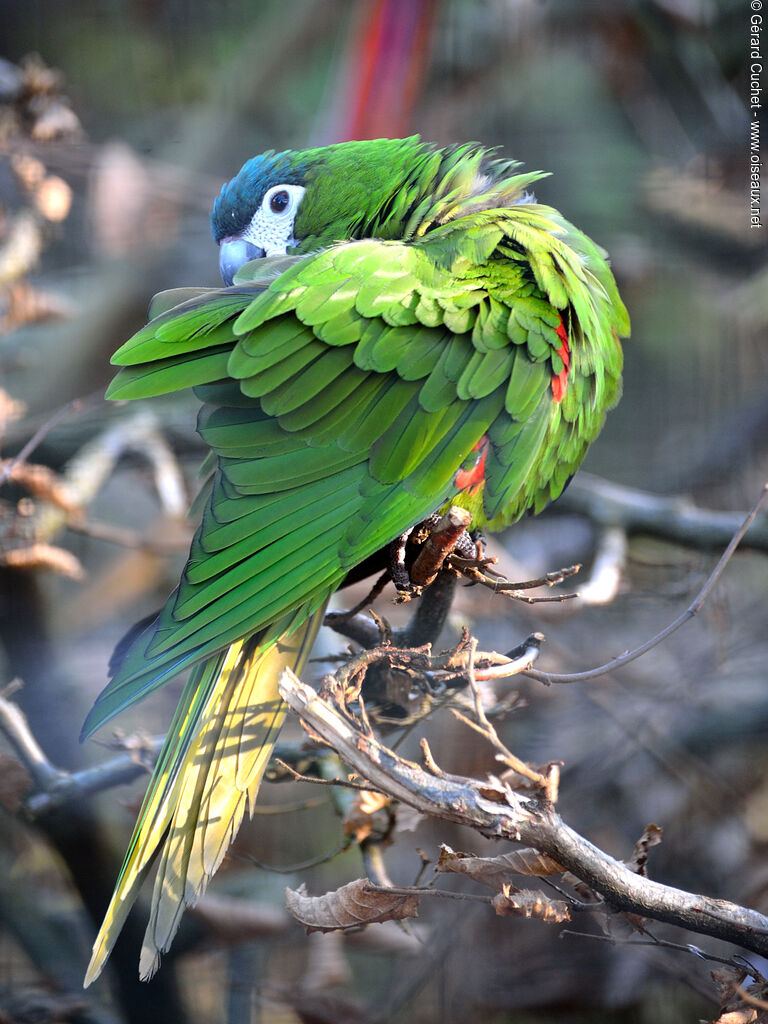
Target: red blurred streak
[388, 65]
[362, 78]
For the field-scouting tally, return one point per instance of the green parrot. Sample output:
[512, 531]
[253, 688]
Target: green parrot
[403, 327]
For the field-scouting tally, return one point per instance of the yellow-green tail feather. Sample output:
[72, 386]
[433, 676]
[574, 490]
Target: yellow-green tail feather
[208, 772]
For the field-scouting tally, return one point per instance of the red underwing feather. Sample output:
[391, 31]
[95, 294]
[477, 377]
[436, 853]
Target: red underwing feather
[470, 479]
[560, 380]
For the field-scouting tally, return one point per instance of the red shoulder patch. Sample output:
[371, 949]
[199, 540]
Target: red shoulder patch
[560, 380]
[471, 479]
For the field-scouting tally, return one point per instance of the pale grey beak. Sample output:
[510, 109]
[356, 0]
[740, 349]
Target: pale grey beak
[233, 253]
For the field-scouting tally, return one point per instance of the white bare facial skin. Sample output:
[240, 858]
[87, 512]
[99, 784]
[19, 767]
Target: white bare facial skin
[271, 227]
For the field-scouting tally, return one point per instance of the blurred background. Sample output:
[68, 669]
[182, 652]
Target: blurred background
[119, 121]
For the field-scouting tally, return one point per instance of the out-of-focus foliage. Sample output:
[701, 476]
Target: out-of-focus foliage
[639, 111]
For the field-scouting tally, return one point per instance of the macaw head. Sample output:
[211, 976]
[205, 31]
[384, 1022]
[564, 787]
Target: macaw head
[299, 201]
[295, 202]
[255, 214]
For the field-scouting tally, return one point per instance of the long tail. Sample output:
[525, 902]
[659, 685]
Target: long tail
[209, 770]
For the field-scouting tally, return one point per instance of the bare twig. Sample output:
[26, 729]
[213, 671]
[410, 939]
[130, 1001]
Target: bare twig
[125, 537]
[609, 504]
[478, 571]
[64, 497]
[751, 1000]
[429, 761]
[487, 730]
[498, 583]
[334, 620]
[651, 942]
[501, 812]
[55, 418]
[74, 785]
[139, 432]
[290, 869]
[693, 609]
[346, 783]
[605, 575]
[518, 766]
[517, 662]
[56, 787]
[362, 629]
[14, 725]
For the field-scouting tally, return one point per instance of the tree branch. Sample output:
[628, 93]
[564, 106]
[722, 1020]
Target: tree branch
[609, 504]
[56, 787]
[497, 811]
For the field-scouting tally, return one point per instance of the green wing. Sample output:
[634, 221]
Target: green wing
[342, 393]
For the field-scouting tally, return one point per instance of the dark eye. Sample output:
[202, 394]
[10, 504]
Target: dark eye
[279, 201]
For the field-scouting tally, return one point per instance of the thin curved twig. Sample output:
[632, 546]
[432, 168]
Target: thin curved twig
[498, 811]
[76, 405]
[693, 609]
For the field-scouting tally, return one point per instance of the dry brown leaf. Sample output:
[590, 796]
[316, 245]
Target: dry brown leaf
[739, 1003]
[747, 1015]
[635, 921]
[755, 995]
[493, 789]
[495, 871]
[726, 979]
[639, 860]
[43, 483]
[359, 819]
[351, 906]
[23, 304]
[407, 818]
[44, 556]
[15, 783]
[582, 890]
[511, 902]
